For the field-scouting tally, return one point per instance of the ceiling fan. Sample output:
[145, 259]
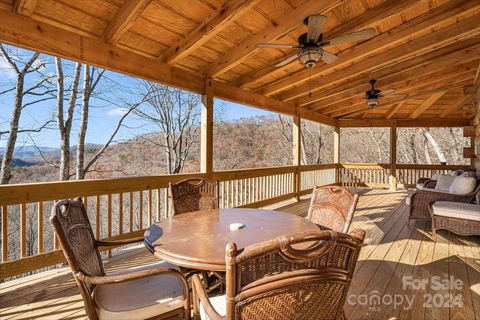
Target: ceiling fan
[312, 44]
[373, 95]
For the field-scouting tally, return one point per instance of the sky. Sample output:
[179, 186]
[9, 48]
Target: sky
[103, 116]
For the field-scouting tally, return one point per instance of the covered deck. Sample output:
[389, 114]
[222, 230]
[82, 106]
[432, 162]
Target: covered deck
[428, 51]
[394, 248]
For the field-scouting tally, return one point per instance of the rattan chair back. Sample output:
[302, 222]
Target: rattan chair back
[297, 276]
[332, 207]
[193, 195]
[74, 232]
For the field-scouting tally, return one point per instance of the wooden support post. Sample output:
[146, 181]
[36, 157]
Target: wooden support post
[297, 155]
[393, 157]
[336, 153]
[206, 163]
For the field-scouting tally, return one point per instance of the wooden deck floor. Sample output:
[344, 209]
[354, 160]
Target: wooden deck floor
[395, 253]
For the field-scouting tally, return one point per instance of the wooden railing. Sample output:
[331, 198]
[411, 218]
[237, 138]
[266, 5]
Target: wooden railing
[124, 207]
[389, 176]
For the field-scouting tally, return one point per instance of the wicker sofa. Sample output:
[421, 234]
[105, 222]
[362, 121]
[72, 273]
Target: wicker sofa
[420, 200]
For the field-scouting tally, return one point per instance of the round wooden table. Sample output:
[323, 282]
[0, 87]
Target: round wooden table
[197, 240]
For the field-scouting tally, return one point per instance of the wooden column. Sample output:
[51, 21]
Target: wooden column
[336, 153]
[297, 155]
[393, 157]
[206, 149]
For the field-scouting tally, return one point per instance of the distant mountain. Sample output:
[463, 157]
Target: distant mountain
[28, 151]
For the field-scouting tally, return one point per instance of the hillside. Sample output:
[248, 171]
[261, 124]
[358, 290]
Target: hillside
[255, 143]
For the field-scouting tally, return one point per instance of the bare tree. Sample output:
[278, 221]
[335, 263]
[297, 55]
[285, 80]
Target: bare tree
[176, 113]
[435, 146]
[91, 78]
[65, 121]
[21, 65]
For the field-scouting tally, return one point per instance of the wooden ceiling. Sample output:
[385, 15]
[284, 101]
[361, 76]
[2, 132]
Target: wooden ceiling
[428, 49]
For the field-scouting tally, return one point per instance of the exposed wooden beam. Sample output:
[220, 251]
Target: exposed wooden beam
[373, 16]
[426, 104]
[477, 75]
[283, 26]
[417, 67]
[25, 7]
[394, 109]
[460, 103]
[256, 100]
[24, 32]
[124, 19]
[404, 123]
[345, 68]
[216, 22]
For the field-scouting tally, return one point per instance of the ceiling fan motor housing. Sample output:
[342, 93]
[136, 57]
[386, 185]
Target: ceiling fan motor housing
[372, 95]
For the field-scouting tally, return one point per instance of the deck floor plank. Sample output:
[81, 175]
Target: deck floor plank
[393, 248]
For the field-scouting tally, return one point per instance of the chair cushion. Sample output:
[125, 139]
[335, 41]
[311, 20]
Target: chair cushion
[141, 298]
[436, 176]
[444, 182]
[463, 185]
[219, 303]
[459, 210]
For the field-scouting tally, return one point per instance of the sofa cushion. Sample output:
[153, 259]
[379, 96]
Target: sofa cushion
[436, 176]
[459, 210]
[444, 182]
[139, 299]
[463, 185]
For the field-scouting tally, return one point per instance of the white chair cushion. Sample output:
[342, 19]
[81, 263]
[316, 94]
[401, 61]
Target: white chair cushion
[463, 185]
[141, 298]
[436, 176]
[420, 186]
[444, 182]
[219, 303]
[459, 210]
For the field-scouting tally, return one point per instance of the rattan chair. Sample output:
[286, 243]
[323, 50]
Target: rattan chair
[332, 207]
[193, 195]
[158, 290]
[302, 276]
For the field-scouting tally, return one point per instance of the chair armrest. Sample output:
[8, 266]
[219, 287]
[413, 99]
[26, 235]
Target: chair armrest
[112, 243]
[134, 275]
[200, 296]
[430, 184]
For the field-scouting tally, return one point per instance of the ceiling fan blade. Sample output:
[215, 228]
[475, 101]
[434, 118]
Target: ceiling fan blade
[315, 26]
[275, 45]
[329, 57]
[388, 92]
[287, 61]
[356, 36]
[398, 96]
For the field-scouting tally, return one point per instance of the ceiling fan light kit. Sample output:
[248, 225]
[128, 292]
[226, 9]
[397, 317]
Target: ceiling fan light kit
[310, 56]
[311, 43]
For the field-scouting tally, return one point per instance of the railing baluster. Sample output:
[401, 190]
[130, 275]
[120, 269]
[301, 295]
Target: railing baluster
[109, 219]
[158, 205]
[40, 227]
[120, 213]
[130, 208]
[4, 233]
[23, 230]
[166, 202]
[150, 215]
[97, 218]
[141, 211]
